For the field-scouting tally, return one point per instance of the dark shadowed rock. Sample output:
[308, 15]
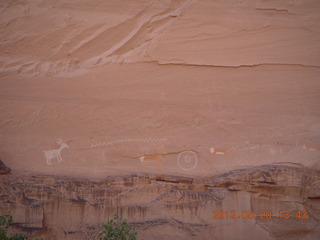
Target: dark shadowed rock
[4, 169]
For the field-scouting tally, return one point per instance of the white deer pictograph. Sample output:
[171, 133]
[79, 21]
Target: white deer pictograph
[55, 153]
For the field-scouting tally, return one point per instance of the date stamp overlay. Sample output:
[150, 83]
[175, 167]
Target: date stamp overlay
[263, 214]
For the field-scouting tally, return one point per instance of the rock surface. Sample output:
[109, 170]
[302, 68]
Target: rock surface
[4, 169]
[120, 80]
[170, 207]
[168, 98]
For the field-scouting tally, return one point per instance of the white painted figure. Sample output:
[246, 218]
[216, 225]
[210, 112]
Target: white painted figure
[220, 151]
[311, 148]
[187, 160]
[308, 148]
[152, 158]
[55, 153]
[106, 143]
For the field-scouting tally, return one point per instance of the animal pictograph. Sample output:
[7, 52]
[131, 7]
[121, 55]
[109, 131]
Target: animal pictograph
[309, 148]
[220, 151]
[152, 159]
[55, 153]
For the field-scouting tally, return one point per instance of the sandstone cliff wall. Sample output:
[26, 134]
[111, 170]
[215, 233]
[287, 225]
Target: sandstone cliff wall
[169, 207]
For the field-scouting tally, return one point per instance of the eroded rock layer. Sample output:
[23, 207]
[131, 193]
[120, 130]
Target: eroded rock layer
[170, 207]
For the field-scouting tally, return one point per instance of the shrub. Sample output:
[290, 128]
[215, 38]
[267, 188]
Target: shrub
[118, 229]
[5, 222]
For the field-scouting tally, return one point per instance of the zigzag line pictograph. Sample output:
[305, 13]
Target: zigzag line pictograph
[107, 143]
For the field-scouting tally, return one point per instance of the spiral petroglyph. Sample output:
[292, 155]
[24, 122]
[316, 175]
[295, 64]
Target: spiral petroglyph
[187, 160]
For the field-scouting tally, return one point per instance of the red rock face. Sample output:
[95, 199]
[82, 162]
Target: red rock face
[183, 88]
[117, 81]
